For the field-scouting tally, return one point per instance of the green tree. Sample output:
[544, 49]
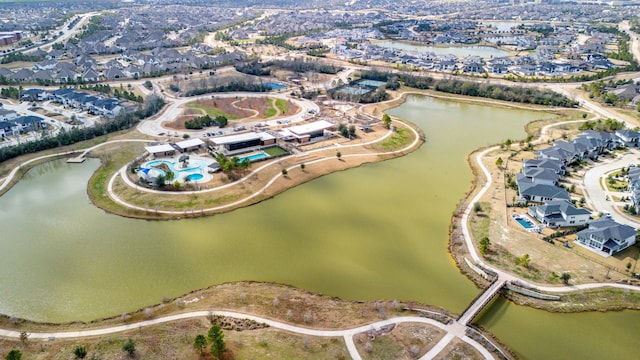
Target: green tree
[13, 355]
[199, 343]
[222, 120]
[129, 347]
[284, 172]
[302, 166]
[80, 351]
[386, 120]
[477, 207]
[524, 260]
[352, 131]
[499, 162]
[484, 245]
[216, 337]
[338, 155]
[160, 181]
[565, 277]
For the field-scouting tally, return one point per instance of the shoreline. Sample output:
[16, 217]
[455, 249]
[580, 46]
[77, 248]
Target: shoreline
[454, 253]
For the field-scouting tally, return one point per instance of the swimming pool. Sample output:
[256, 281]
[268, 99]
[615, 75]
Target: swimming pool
[525, 223]
[254, 157]
[193, 170]
[195, 177]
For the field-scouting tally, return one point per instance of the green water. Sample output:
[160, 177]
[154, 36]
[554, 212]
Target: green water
[375, 232]
[536, 334]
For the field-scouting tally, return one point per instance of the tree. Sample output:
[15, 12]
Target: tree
[160, 181]
[216, 337]
[525, 260]
[129, 347]
[386, 120]
[80, 352]
[484, 245]
[477, 207]
[284, 172]
[222, 120]
[499, 162]
[13, 355]
[302, 166]
[338, 155]
[199, 343]
[565, 277]
[352, 131]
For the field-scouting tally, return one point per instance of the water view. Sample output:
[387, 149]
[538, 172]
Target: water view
[484, 52]
[375, 232]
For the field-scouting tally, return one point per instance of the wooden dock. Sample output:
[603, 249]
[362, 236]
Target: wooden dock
[76, 160]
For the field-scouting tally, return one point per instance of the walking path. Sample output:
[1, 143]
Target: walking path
[503, 275]
[347, 334]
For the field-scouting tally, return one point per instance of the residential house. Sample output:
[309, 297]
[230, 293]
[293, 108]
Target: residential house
[8, 129]
[541, 192]
[7, 115]
[607, 236]
[90, 75]
[628, 137]
[34, 95]
[29, 123]
[555, 165]
[114, 73]
[22, 75]
[560, 213]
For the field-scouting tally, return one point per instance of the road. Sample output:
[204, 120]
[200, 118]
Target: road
[593, 183]
[503, 275]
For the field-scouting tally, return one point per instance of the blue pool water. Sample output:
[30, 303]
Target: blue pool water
[195, 177]
[253, 157]
[193, 170]
[274, 85]
[525, 223]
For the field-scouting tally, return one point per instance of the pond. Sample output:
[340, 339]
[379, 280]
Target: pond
[374, 232]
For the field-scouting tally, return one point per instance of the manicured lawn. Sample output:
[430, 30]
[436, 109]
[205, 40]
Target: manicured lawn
[213, 111]
[271, 112]
[275, 151]
[282, 105]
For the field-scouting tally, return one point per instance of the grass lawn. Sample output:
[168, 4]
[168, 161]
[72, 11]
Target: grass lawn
[271, 111]
[275, 151]
[397, 141]
[212, 111]
[282, 105]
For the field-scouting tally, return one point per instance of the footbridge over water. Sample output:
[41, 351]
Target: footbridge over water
[481, 301]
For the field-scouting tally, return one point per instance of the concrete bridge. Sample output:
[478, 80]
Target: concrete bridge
[481, 301]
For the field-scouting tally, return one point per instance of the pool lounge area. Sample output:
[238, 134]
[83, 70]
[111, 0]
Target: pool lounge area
[526, 222]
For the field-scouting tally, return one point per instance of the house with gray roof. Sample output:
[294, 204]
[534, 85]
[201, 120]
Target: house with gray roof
[556, 153]
[560, 213]
[555, 165]
[8, 128]
[607, 237]
[29, 123]
[530, 191]
[539, 176]
[7, 115]
[628, 137]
